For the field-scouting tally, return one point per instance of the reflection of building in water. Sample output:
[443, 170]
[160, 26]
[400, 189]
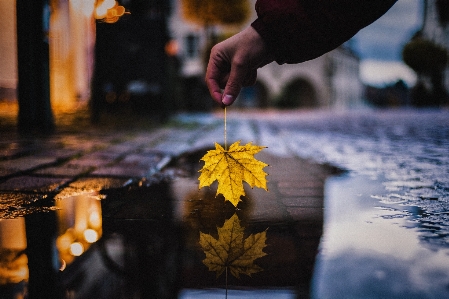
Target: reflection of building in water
[79, 225]
[13, 261]
[14, 272]
[331, 80]
[8, 53]
[436, 26]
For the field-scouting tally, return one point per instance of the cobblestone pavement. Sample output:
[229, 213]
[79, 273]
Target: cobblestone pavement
[37, 172]
[36, 169]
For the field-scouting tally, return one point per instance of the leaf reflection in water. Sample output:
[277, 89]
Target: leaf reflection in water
[231, 251]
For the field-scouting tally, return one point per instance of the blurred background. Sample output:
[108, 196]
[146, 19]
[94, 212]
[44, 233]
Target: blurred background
[148, 57]
[83, 63]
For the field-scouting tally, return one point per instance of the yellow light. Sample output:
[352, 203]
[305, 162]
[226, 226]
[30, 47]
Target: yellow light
[86, 7]
[63, 265]
[95, 219]
[90, 235]
[100, 12]
[102, 9]
[109, 3]
[120, 10]
[76, 249]
[64, 241]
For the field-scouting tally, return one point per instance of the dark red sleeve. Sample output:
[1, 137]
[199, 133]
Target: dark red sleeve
[300, 30]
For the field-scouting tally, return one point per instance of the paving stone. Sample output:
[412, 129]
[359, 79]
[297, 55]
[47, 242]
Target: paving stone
[58, 154]
[110, 159]
[6, 172]
[92, 160]
[90, 185]
[33, 183]
[301, 182]
[26, 163]
[97, 184]
[306, 214]
[121, 170]
[122, 148]
[301, 191]
[148, 160]
[15, 204]
[66, 170]
[303, 202]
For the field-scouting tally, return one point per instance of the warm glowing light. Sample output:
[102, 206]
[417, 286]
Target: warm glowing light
[95, 219]
[171, 48]
[86, 7]
[76, 249]
[65, 240]
[109, 11]
[102, 10]
[63, 265]
[109, 3]
[90, 235]
[119, 10]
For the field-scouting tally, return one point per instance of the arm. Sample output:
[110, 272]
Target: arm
[286, 31]
[308, 29]
[233, 64]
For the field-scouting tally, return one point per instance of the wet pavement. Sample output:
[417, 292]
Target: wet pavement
[101, 213]
[118, 214]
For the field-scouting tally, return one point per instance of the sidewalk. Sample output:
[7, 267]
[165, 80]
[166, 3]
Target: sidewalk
[36, 172]
[91, 160]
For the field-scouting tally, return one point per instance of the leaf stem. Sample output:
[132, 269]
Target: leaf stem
[226, 280]
[225, 131]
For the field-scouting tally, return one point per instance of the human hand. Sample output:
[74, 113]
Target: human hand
[233, 64]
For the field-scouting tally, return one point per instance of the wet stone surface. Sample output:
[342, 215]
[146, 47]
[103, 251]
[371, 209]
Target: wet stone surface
[150, 230]
[139, 231]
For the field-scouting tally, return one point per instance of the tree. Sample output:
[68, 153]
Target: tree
[428, 60]
[216, 12]
[209, 13]
[33, 67]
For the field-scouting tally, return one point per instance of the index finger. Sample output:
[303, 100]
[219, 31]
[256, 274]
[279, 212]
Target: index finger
[213, 75]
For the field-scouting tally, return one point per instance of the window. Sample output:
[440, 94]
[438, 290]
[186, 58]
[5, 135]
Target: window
[191, 45]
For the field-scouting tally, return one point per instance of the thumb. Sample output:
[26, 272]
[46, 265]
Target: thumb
[235, 83]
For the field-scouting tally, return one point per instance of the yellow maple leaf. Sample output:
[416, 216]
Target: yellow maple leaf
[231, 167]
[230, 251]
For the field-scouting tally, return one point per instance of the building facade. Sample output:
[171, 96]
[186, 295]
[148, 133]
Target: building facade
[436, 27]
[331, 80]
[8, 50]
[71, 38]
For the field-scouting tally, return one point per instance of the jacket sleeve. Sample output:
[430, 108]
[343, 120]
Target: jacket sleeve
[300, 30]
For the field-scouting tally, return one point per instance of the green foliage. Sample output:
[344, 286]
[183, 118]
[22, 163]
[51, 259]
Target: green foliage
[424, 56]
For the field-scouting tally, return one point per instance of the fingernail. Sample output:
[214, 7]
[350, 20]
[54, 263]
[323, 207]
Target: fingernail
[227, 100]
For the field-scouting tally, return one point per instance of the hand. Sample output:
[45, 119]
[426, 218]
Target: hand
[233, 64]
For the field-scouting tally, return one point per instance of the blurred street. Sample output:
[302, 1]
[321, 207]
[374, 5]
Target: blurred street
[105, 117]
[146, 176]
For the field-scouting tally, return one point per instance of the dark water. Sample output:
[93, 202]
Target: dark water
[143, 241]
[377, 249]
[385, 226]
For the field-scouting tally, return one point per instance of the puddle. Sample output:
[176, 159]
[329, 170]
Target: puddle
[161, 238]
[374, 248]
[164, 238]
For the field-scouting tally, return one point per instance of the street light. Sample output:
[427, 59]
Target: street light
[108, 11]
